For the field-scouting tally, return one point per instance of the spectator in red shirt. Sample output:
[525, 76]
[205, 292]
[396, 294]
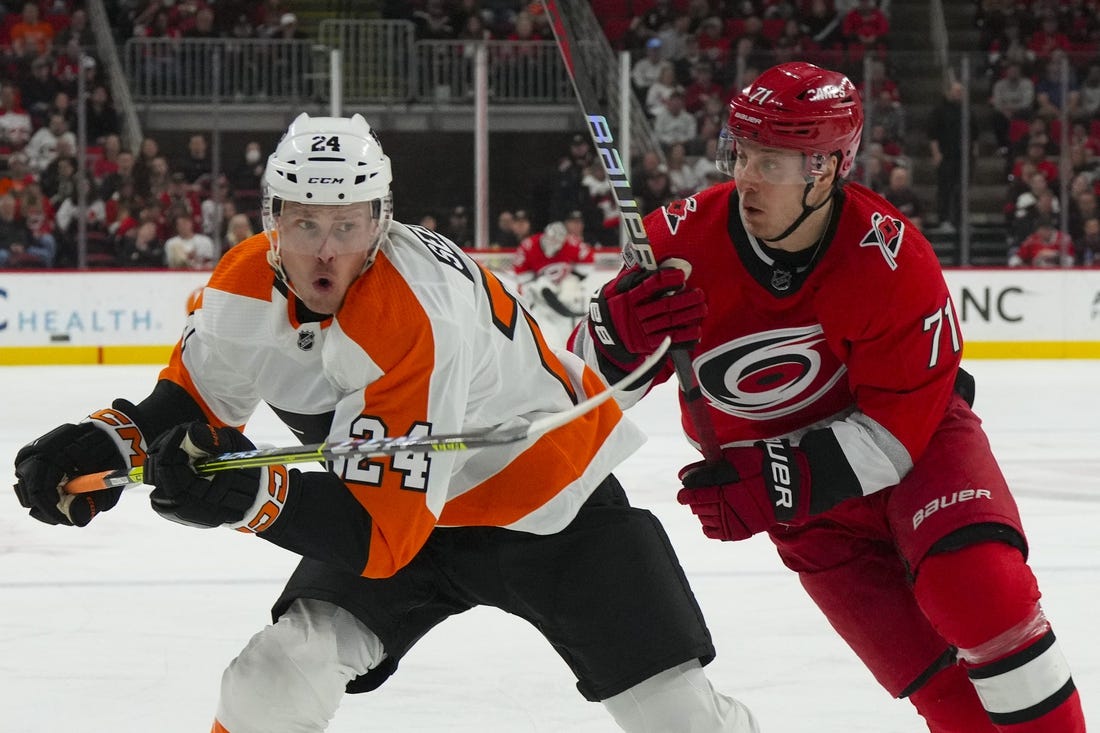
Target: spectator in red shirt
[714, 43]
[1036, 155]
[1047, 246]
[1044, 41]
[107, 163]
[180, 200]
[864, 27]
[702, 87]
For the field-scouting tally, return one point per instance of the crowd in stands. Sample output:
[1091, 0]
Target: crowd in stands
[155, 208]
[1043, 64]
[689, 58]
[164, 207]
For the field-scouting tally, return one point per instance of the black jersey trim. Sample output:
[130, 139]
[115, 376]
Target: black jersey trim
[764, 273]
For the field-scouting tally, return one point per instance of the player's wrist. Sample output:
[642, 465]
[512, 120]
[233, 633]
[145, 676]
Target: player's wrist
[275, 488]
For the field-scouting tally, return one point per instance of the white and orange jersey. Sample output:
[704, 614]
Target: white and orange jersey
[426, 342]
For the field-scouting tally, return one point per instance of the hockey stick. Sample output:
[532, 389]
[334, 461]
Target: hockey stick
[366, 448]
[553, 302]
[638, 249]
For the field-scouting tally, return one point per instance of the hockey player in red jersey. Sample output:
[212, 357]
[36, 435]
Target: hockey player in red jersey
[827, 349]
[552, 246]
[550, 268]
[352, 325]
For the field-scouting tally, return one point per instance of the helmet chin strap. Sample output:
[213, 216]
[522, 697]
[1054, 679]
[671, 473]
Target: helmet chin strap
[806, 208]
[806, 211]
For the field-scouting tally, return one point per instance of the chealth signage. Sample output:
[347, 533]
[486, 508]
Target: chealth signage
[92, 317]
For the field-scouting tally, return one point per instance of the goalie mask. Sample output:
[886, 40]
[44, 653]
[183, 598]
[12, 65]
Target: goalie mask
[553, 238]
[327, 162]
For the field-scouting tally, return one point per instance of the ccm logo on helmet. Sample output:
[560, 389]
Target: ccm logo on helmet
[324, 179]
[957, 497]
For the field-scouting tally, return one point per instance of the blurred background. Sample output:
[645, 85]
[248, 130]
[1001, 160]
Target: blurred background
[119, 118]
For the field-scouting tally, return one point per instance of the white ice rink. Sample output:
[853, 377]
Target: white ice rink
[125, 626]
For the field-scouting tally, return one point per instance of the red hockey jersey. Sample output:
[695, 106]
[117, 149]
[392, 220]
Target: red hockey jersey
[530, 259]
[858, 335]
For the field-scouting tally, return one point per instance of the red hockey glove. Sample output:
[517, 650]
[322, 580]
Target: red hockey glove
[750, 491]
[633, 313]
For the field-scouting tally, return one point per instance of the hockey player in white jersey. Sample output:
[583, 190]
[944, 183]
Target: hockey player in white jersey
[352, 325]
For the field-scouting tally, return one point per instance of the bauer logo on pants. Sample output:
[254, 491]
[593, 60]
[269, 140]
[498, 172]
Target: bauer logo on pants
[956, 497]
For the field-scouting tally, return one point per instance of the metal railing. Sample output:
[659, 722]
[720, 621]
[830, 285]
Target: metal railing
[116, 78]
[392, 70]
[197, 69]
[521, 73]
[377, 55]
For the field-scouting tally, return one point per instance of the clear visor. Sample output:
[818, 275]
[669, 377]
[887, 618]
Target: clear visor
[746, 160]
[314, 229]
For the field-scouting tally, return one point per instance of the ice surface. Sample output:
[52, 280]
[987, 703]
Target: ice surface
[125, 626]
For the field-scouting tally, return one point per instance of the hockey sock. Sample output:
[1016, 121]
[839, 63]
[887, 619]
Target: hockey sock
[949, 704]
[983, 599]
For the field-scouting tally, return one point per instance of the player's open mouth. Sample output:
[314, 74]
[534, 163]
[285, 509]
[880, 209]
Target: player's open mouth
[323, 283]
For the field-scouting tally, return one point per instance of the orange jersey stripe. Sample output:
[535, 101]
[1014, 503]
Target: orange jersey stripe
[176, 372]
[236, 272]
[406, 355]
[554, 461]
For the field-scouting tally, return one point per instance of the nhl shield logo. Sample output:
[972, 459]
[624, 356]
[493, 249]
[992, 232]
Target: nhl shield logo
[886, 234]
[305, 340]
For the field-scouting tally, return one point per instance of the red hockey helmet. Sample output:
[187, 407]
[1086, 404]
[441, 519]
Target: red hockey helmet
[801, 107]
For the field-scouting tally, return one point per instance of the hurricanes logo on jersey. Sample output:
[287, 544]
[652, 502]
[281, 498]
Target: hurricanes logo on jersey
[677, 211]
[769, 375]
[886, 233]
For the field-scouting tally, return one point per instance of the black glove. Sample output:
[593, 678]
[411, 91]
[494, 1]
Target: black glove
[241, 498]
[106, 441]
[631, 315]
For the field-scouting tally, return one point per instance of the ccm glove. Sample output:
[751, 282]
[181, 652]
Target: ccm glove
[249, 499]
[631, 315]
[755, 488]
[106, 440]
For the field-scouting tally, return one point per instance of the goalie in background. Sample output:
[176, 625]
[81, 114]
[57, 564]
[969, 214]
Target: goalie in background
[352, 325]
[551, 268]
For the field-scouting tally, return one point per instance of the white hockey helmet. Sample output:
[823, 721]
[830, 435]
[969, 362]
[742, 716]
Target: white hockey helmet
[328, 161]
[553, 238]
